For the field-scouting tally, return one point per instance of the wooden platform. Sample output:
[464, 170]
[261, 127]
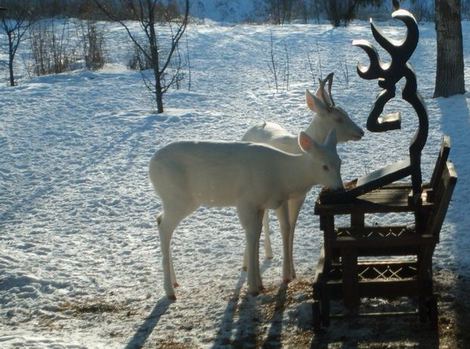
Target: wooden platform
[359, 261]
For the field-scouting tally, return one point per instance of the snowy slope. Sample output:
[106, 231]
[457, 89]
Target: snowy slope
[80, 259]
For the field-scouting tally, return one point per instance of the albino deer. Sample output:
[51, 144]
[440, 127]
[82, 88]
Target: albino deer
[328, 117]
[251, 177]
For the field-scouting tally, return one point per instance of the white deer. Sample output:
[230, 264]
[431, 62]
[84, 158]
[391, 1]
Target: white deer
[328, 117]
[251, 177]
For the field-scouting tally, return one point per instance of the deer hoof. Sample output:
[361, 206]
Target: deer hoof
[171, 297]
[175, 284]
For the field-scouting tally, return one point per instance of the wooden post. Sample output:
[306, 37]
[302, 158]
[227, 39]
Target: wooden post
[357, 220]
[350, 279]
[327, 224]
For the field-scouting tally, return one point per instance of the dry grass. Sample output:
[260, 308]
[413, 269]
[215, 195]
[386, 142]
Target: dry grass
[92, 306]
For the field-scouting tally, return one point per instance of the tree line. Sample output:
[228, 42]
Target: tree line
[156, 52]
[338, 12]
[19, 17]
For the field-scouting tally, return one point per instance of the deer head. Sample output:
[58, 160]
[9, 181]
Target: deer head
[329, 115]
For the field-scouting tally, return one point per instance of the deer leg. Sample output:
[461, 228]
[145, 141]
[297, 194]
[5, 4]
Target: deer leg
[258, 271]
[251, 220]
[268, 251]
[167, 223]
[172, 272]
[294, 209]
[245, 258]
[282, 214]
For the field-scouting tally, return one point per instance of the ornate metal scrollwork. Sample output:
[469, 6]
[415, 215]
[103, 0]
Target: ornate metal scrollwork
[388, 75]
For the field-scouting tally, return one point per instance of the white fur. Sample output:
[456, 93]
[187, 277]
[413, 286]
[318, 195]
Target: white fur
[327, 117]
[250, 177]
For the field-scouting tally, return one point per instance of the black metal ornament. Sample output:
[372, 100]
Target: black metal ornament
[388, 75]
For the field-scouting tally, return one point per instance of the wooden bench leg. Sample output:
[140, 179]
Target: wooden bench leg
[350, 279]
[325, 305]
[427, 300]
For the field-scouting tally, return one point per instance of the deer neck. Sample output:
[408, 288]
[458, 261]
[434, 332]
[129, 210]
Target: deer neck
[303, 177]
[317, 130]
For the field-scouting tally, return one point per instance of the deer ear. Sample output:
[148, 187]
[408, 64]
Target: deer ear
[314, 103]
[306, 143]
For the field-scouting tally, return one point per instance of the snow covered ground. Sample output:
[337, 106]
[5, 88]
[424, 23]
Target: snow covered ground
[79, 251]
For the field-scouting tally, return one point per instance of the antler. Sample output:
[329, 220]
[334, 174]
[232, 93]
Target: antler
[326, 97]
[329, 78]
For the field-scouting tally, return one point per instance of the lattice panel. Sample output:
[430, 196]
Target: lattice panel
[385, 272]
[370, 232]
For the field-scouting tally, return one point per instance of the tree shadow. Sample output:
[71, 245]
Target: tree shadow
[145, 330]
[455, 122]
[461, 306]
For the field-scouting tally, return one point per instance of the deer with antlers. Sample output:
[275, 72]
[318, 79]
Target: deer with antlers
[328, 116]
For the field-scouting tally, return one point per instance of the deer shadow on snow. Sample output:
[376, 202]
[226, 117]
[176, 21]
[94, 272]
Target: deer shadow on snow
[242, 320]
[145, 330]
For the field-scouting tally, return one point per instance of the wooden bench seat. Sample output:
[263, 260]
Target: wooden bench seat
[360, 261]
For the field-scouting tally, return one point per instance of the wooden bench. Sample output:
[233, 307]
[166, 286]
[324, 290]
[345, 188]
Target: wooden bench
[361, 261]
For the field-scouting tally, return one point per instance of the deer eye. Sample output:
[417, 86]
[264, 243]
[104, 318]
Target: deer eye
[326, 168]
[339, 120]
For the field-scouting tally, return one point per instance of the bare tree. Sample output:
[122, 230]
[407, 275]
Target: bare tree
[149, 13]
[450, 67]
[53, 48]
[15, 23]
[93, 45]
[341, 12]
[273, 65]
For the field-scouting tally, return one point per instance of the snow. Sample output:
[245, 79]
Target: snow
[80, 260]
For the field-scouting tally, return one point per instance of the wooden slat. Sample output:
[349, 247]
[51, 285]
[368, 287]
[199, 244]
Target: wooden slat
[441, 161]
[387, 199]
[396, 288]
[376, 179]
[378, 242]
[377, 315]
[377, 288]
[443, 194]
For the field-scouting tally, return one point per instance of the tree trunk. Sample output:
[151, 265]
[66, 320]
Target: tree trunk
[155, 58]
[11, 58]
[450, 67]
[10, 67]
[159, 96]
